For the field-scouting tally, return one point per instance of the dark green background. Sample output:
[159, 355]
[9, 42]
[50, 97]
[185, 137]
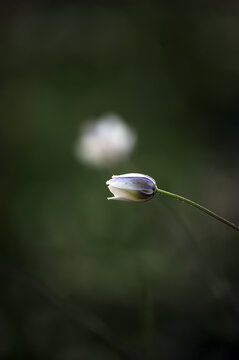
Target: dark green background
[160, 278]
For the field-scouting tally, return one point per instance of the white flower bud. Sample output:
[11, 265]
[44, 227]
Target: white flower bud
[132, 187]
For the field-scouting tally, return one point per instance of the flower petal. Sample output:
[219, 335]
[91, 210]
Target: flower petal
[132, 183]
[133, 175]
[122, 193]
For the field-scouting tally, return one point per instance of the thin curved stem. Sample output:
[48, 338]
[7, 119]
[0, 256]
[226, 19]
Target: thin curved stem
[200, 207]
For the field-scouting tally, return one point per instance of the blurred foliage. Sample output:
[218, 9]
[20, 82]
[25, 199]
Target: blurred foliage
[162, 277]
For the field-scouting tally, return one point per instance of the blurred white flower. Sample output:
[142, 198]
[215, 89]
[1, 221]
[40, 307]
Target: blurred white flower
[105, 141]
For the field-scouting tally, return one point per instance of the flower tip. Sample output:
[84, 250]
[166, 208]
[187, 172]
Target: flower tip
[108, 183]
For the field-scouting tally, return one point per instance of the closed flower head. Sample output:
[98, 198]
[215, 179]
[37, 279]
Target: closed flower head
[132, 187]
[140, 187]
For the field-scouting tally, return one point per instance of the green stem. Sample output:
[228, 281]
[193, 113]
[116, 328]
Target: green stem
[200, 207]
